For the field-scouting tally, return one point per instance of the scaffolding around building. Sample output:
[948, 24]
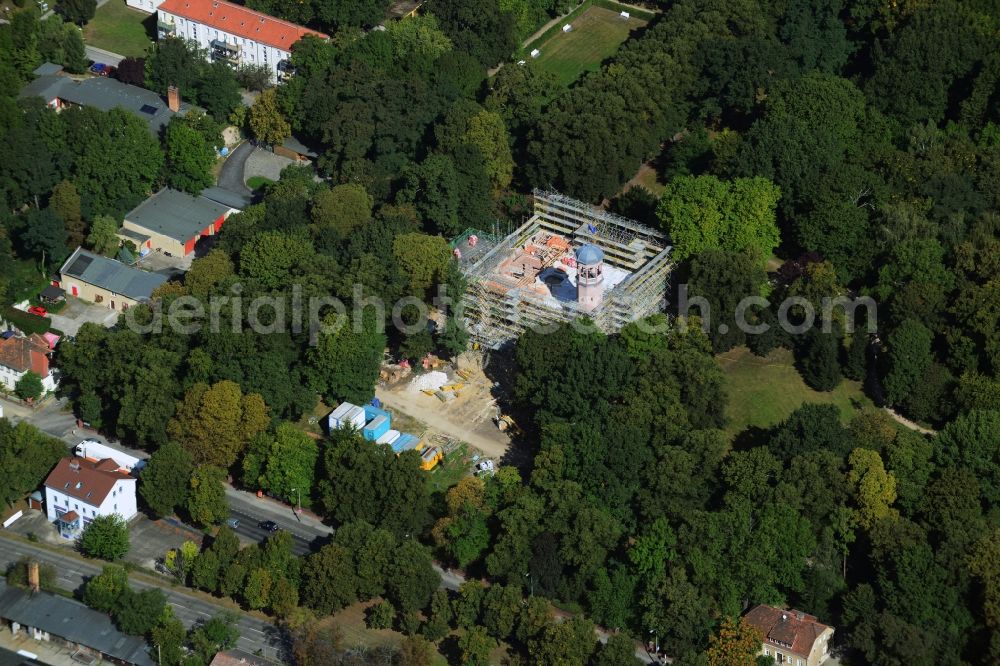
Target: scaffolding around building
[500, 304]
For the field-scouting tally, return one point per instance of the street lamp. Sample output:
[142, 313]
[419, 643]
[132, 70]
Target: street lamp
[531, 583]
[299, 496]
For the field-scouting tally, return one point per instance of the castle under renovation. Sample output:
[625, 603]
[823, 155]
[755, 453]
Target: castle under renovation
[568, 260]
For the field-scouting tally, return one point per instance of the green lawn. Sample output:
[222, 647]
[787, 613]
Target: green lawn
[597, 33]
[257, 182]
[120, 29]
[764, 391]
[451, 470]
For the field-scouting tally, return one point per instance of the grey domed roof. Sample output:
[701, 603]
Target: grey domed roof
[590, 254]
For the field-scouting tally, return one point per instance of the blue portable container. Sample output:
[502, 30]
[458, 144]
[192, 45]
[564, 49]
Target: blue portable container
[375, 428]
[372, 412]
[405, 442]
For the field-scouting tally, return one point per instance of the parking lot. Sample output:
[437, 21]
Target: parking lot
[78, 312]
[172, 267]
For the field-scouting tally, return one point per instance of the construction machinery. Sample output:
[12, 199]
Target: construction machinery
[505, 423]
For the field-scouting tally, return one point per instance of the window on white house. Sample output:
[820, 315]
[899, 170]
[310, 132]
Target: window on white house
[116, 508]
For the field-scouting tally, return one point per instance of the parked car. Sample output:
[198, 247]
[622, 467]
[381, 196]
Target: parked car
[233, 522]
[38, 310]
[100, 69]
[268, 526]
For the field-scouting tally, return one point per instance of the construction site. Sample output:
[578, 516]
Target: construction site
[568, 260]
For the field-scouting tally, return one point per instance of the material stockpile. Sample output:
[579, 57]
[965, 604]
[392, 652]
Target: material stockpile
[430, 381]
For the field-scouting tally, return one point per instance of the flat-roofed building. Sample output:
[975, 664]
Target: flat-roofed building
[172, 222]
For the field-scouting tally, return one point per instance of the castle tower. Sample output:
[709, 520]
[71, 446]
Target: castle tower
[589, 277]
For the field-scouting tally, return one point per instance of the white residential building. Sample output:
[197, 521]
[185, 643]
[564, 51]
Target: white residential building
[20, 354]
[229, 32]
[78, 490]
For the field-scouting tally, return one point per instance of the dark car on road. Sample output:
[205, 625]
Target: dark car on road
[268, 526]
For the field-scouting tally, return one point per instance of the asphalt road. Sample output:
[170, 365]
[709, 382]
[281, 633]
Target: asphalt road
[72, 572]
[10, 658]
[303, 537]
[101, 55]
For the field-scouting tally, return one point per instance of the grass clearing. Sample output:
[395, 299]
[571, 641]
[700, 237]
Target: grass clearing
[649, 178]
[314, 421]
[765, 391]
[450, 470]
[257, 182]
[121, 29]
[596, 35]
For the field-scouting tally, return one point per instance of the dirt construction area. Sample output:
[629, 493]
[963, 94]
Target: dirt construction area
[454, 401]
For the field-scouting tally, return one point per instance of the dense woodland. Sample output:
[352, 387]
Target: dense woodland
[859, 142]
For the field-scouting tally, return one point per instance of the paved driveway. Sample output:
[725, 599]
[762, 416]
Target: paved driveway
[78, 312]
[150, 540]
[231, 176]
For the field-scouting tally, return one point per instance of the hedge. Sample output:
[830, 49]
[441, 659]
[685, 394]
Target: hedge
[27, 322]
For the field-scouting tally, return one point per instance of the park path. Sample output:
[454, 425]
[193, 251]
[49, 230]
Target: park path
[899, 418]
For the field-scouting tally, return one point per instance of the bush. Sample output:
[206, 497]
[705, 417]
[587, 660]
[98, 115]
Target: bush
[17, 574]
[29, 387]
[380, 616]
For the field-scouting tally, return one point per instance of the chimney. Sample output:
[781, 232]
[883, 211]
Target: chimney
[173, 98]
[34, 580]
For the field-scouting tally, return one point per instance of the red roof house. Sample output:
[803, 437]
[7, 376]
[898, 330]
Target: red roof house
[790, 636]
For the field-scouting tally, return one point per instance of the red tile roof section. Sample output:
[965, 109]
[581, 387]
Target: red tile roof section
[787, 627]
[23, 354]
[240, 21]
[238, 658]
[84, 479]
